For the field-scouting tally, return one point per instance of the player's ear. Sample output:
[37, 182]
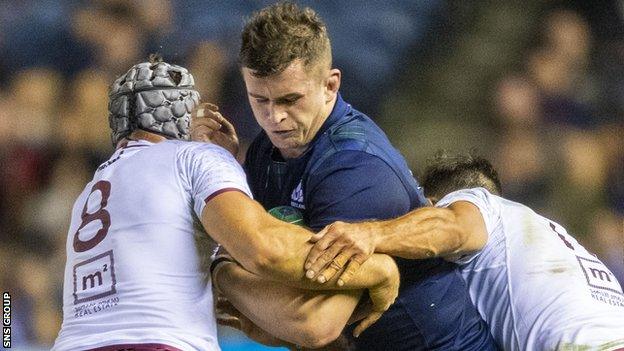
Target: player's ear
[332, 84]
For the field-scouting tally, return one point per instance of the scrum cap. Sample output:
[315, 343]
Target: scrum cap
[154, 96]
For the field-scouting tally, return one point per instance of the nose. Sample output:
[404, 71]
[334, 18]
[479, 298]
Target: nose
[276, 114]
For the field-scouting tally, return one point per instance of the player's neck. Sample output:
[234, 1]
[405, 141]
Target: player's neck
[141, 135]
[145, 135]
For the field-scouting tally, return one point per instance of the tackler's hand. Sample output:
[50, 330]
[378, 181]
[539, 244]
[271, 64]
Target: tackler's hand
[337, 245]
[208, 125]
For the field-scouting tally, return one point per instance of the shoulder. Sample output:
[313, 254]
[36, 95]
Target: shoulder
[478, 196]
[192, 155]
[487, 203]
[197, 148]
[354, 132]
[352, 160]
[354, 185]
[352, 171]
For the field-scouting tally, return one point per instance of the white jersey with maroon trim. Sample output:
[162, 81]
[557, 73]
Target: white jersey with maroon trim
[133, 272]
[535, 285]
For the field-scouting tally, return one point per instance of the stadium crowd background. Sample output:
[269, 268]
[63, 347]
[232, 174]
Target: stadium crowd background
[536, 86]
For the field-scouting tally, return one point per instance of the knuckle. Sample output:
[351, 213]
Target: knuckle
[323, 244]
[326, 256]
[340, 226]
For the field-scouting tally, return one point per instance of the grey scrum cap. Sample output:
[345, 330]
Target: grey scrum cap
[157, 97]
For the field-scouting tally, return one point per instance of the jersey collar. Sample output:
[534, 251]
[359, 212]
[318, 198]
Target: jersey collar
[340, 110]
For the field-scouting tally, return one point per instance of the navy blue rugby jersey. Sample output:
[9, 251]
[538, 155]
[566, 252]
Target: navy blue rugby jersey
[351, 172]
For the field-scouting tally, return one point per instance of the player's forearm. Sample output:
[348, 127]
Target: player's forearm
[286, 247]
[375, 271]
[267, 246]
[423, 233]
[298, 316]
[262, 244]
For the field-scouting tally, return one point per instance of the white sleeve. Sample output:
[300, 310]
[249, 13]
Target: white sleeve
[207, 170]
[480, 198]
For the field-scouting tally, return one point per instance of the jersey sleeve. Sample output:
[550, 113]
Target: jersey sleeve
[351, 186]
[480, 198]
[207, 170]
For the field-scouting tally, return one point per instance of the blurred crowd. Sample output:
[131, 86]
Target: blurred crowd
[538, 88]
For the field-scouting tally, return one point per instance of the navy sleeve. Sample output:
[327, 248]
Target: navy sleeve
[351, 186]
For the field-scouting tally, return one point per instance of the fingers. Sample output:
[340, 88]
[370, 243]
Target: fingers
[201, 133]
[352, 267]
[204, 110]
[226, 126]
[367, 322]
[324, 260]
[334, 267]
[325, 238]
[206, 114]
[318, 236]
[211, 106]
[204, 122]
[208, 123]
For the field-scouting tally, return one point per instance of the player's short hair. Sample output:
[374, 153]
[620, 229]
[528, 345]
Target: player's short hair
[154, 96]
[279, 34]
[446, 173]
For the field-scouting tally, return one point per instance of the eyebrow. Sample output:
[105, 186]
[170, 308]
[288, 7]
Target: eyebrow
[288, 96]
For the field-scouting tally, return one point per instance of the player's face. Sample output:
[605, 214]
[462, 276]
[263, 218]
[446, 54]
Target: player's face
[291, 106]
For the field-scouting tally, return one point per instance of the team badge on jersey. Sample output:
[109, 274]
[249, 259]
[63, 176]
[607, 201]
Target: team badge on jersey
[296, 198]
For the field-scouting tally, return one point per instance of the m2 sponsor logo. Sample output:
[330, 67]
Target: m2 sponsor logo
[94, 278]
[598, 275]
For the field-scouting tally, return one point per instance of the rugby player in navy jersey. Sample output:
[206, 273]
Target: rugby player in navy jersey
[319, 155]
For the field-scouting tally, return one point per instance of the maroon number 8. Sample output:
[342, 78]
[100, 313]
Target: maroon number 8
[102, 215]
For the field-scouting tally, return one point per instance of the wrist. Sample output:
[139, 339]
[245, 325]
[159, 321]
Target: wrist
[376, 231]
[390, 271]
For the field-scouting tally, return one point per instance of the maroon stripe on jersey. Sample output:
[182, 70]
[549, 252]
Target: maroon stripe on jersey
[124, 144]
[222, 191]
[129, 146]
[137, 347]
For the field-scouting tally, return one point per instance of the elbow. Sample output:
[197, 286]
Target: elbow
[313, 328]
[318, 335]
[316, 342]
[457, 240]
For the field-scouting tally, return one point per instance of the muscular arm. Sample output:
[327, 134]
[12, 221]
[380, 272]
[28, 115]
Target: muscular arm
[423, 233]
[274, 249]
[302, 317]
[432, 232]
